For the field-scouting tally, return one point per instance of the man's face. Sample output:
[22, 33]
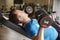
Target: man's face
[21, 15]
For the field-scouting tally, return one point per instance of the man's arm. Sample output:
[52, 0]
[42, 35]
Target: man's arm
[40, 35]
[34, 37]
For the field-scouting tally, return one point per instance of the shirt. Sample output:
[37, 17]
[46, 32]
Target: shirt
[32, 27]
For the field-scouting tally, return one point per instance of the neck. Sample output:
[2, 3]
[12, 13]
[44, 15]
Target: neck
[26, 19]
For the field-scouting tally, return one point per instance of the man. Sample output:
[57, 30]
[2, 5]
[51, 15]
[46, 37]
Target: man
[31, 26]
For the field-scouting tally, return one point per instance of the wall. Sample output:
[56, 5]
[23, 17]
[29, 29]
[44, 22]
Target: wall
[9, 3]
[41, 2]
[2, 2]
[56, 7]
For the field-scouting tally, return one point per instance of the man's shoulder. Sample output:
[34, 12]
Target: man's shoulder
[34, 20]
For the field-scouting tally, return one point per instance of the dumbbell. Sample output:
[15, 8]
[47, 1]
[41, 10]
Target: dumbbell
[29, 9]
[43, 18]
[44, 21]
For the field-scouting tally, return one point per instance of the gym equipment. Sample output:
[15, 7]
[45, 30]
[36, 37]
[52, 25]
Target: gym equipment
[45, 21]
[43, 18]
[29, 8]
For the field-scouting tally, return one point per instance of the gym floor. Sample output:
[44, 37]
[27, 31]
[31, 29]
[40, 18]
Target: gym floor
[9, 34]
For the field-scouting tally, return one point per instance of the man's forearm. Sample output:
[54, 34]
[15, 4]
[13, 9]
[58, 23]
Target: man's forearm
[40, 35]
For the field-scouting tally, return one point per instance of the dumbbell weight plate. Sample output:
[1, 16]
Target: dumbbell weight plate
[29, 9]
[45, 21]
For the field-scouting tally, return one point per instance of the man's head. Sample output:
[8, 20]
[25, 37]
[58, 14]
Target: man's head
[21, 15]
